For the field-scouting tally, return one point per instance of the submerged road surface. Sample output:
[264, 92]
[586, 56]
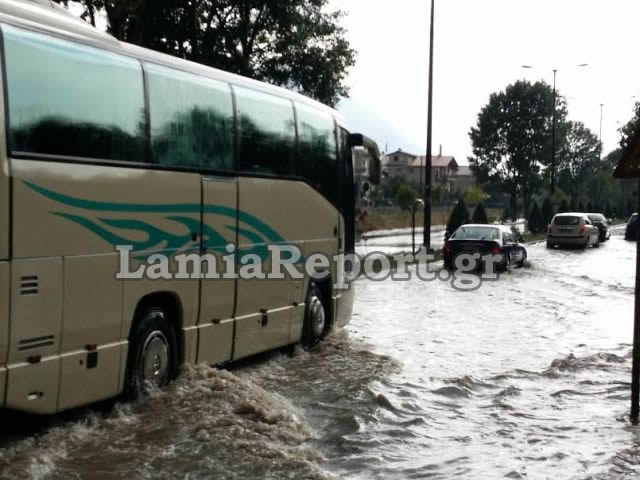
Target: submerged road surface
[526, 377]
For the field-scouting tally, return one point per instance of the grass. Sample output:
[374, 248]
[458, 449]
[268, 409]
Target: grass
[376, 220]
[529, 237]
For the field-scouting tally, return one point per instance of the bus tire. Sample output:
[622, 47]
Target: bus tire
[152, 361]
[315, 318]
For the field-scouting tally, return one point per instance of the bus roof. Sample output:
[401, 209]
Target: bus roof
[52, 18]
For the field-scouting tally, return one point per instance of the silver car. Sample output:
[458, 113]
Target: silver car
[572, 229]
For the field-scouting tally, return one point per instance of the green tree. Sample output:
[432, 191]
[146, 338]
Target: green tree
[512, 137]
[564, 207]
[459, 216]
[608, 212]
[298, 44]
[536, 222]
[589, 208]
[480, 215]
[573, 206]
[547, 212]
[406, 197]
[474, 196]
[630, 128]
[580, 207]
[578, 157]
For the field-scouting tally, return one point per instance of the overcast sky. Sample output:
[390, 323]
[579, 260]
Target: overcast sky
[480, 48]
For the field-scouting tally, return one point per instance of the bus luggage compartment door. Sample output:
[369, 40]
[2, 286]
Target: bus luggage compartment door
[36, 324]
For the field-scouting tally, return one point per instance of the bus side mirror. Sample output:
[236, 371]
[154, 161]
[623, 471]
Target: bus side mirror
[375, 165]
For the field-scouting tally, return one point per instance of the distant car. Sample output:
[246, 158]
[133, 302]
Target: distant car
[572, 229]
[485, 239]
[602, 223]
[631, 232]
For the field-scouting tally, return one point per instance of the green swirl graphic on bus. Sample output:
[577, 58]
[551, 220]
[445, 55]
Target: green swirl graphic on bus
[160, 241]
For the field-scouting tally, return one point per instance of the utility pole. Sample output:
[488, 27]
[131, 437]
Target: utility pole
[635, 368]
[553, 138]
[427, 173]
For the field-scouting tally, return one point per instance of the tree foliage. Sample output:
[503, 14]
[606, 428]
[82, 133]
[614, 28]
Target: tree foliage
[474, 196]
[459, 216]
[577, 157]
[406, 197]
[630, 128]
[536, 222]
[564, 207]
[512, 137]
[480, 215]
[547, 211]
[298, 44]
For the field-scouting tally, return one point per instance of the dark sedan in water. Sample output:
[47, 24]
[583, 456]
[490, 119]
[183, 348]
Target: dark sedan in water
[600, 221]
[485, 240]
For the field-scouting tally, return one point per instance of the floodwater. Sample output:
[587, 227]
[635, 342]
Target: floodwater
[526, 377]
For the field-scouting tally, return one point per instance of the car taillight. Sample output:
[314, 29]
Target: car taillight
[582, 229]
[448, 248]
[496, 250]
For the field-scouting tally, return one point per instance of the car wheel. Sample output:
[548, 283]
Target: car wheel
[152, 359]
[523, 262]
[507, 262]
[586, 243]
[550, 245]
[597, 244]
[315, 318]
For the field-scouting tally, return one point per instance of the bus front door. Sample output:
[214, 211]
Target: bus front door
[5, 275]
[264, 306]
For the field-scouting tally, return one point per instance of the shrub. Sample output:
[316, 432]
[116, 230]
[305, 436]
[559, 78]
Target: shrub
[406, 197]
[573, 206]
[459, 216]
[564, 207]
[608, 212]
[480, 215]
[547, 212]
[536, 222]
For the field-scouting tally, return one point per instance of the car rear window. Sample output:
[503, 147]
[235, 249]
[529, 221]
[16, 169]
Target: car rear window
[476, 233]
[566, 221]
[597, 218]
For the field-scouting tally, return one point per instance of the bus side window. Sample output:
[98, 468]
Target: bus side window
[317, 160]
[267, 135]
[191, 119]
[72, 100]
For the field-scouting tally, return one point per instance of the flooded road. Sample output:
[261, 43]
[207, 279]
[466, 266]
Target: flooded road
[526, 377]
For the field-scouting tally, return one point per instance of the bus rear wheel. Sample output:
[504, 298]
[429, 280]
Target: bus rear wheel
[151, 362]
[315, 318]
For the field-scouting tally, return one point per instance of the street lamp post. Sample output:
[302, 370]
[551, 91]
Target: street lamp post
[553, 126]
[600, 148]
[553, 137]
[427, 174]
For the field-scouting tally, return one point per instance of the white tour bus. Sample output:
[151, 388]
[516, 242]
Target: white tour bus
[107, 144]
